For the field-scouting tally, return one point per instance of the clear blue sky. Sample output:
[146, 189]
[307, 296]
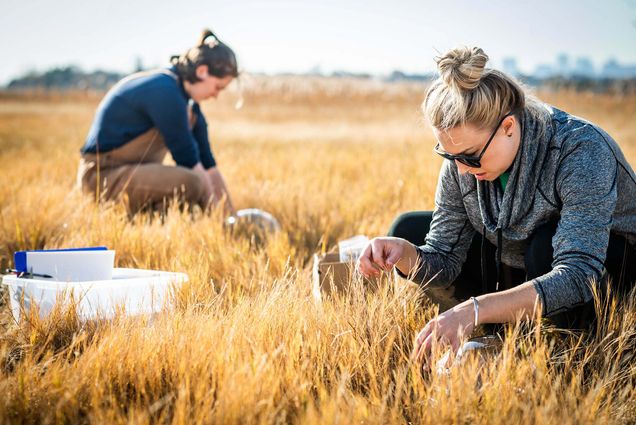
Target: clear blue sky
[274, 36]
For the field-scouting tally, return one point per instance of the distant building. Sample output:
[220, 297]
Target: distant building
[563, 65]
[543, 71]
[510, 67]
[583, 67]
[613, 69]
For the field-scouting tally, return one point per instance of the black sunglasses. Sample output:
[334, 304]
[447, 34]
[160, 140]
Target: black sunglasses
[471, 160]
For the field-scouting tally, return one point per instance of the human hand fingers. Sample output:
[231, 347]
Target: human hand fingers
[365, 264]
[377, 251]
[394, 255]
[387, 252]
[421, 338]
[370, 262]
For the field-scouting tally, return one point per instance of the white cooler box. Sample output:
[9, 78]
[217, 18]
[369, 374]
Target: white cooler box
[137, 291]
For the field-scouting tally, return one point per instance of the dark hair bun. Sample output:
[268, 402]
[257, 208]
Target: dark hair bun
[203, 39]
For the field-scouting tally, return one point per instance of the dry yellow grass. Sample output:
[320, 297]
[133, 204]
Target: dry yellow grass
[246, 343]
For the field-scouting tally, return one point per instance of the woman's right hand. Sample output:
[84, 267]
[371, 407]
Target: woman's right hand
[220, 192]
[208, 190]
[382, 254]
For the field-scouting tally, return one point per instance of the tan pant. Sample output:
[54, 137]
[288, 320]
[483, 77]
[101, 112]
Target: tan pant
[135, 170]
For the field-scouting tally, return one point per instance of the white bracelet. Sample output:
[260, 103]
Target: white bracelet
[476, 309]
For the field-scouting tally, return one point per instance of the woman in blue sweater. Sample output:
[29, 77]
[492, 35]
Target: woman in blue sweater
[148, 114]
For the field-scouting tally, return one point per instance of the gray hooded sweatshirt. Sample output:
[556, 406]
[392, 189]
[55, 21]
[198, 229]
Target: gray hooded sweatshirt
[566, 169]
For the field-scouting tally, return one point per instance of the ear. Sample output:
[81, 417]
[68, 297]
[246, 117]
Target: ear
[508, 125]
[202, 72]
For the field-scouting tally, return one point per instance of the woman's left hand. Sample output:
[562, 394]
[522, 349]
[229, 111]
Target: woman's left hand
[447, 328]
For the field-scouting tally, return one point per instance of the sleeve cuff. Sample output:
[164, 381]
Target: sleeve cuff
[539, 288]
[208, 163]
[420, 255]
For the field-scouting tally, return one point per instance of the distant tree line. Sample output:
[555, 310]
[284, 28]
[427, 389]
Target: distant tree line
[622, 86]
[73, 78]
[66, 78]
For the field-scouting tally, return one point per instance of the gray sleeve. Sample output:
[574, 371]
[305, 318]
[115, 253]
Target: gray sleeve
[450, 235]
[586, 184]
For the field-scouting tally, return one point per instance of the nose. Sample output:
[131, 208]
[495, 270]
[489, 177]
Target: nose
[462, 168]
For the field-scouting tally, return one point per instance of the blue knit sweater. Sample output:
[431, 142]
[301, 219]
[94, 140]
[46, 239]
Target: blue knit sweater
[156, 99]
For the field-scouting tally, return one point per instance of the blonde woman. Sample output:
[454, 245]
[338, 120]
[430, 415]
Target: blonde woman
[533, 206]
[147, 115]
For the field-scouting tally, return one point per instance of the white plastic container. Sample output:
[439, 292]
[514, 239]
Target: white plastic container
[351, 249]
[136, 291]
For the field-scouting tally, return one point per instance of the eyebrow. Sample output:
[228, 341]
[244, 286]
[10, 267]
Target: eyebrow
[464, 152]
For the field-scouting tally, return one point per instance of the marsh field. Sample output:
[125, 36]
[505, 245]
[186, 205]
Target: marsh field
[245, 341]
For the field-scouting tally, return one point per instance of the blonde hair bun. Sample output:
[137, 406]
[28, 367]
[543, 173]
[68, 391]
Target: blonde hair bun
[462, 68]
[467, 92]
